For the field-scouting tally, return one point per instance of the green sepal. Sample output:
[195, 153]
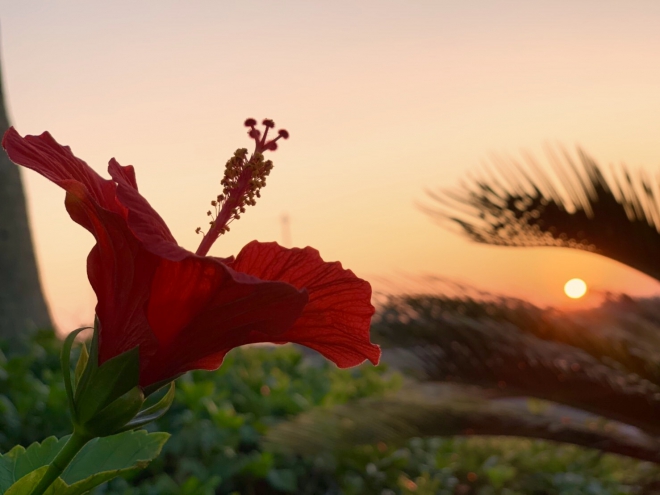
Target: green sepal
[114, 416]
[152, 413]
[81, 365]
[106, 383]
[92, 360]
[65, 362]
[155, 387]
[107, 398]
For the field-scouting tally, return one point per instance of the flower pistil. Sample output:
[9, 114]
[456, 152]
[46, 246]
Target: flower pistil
[241, 183]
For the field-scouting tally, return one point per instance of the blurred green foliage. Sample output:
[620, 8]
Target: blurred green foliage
[33, 402]
[218, 418]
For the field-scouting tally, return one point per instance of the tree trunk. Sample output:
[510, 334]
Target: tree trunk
[23, 308]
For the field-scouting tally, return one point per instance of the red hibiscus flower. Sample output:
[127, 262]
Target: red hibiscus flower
[187, 310]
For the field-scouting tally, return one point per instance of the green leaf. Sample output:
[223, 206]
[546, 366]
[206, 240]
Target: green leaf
[105, 458]
[106, 383]
[99, 461]
[28, 482]
[19, 461]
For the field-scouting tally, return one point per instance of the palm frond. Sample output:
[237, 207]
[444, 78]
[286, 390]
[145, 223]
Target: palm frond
[572, 205]
[393, 420]
[622, 332]
[523, 351]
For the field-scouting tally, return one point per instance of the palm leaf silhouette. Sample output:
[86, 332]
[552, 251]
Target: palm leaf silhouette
[622, 332]
[449, 411]
[510, 350]
[522, 350]
[570, 205]
[603, 362]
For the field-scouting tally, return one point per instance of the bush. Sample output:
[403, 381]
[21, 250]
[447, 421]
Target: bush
[218, 418]
[33, 402]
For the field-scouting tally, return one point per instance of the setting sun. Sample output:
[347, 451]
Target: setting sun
[575, 288]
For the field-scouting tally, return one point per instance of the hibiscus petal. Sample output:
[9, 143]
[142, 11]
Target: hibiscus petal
[144, 221]
[200, 309]
[337, 318]
[118, 267]
[120, 271]
[55, 162]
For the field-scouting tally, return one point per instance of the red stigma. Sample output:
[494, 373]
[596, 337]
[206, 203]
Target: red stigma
[261, 142]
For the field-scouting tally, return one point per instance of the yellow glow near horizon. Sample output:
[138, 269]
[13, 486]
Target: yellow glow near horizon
[575, 288]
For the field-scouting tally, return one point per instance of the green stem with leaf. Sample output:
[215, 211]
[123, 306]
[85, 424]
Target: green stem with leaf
[75, 443]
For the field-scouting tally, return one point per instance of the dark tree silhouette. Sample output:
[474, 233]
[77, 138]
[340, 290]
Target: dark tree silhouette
[22, 305]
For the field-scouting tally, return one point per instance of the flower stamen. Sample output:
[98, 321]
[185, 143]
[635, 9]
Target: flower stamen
[241, 183]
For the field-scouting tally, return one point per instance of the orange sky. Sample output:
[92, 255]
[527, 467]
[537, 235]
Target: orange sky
[383, 100]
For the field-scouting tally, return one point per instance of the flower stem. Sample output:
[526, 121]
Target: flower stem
[61, 461]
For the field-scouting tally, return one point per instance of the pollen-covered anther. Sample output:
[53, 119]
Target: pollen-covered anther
[242, 181]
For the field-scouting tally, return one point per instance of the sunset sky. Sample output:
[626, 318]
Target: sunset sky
[383, 100]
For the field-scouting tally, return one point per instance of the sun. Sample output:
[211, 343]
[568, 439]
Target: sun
[575, 288]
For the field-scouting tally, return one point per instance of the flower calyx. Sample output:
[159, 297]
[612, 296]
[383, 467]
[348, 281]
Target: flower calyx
[107, 399]
[242, 182]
